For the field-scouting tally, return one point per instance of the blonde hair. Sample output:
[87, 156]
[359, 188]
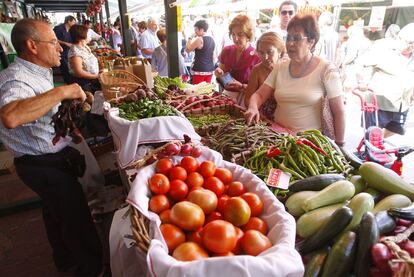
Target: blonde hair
[245, 23]
[273, 39]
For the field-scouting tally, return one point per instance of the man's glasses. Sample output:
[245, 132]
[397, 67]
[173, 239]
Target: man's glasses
[294, 38]
[286, 12]
[54, 42]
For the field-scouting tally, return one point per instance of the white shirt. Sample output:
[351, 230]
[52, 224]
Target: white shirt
[92, 35]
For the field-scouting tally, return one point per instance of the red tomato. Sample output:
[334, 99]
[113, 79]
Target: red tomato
[165, 216]
[223, 254]
[163, 166]
[159, 184]
[254, 201]
[213, 216]
[237, 211]
[204, 198]
[173, 236]
[190, 164]
[178, 190]
[207, 169]
[195, 236]
[219, 236]
[224, 175]
[178, 172]
[222, 203]
[189, 251]
[215, 185]
[159, 203]
[253, 242]
[187, 216]
[239, 234]
[236, 189]
[195, 179]
[256, 223]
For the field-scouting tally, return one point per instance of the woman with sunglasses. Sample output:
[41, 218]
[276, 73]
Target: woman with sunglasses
[270, 47]
[239, 59]
[299, 84]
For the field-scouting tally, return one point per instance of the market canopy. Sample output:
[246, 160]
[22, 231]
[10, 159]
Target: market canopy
[59, 6]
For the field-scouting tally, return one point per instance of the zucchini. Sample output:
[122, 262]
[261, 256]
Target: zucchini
[337, 192]
[404, 213]
[294, 202]
[376, 195]
[385, 222]
[341, 258]
[315, 183]
[385, 180]
[392, 201]
[333, 226]
[352, 158]
[311, 221]
[359, 183]
[360, 204]
[368, 235]
[314, 267]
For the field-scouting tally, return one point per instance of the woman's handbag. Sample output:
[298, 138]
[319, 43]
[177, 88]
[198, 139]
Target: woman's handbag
[327, 120]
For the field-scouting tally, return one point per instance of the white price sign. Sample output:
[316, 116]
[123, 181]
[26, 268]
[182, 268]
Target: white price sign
[377, 17]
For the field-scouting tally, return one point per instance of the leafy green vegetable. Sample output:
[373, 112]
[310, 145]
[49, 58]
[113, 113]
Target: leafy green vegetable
[145, 108]
[162, 84]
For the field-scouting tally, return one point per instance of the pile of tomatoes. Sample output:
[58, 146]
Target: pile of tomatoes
[204, 212]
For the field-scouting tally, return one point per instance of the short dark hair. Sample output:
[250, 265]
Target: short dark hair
[309, 25]
[78, 32]
[142, 25]
[69, 18]
[86, 22]
[289, 2]
[162, 34]
[201, 24]
[23, 30]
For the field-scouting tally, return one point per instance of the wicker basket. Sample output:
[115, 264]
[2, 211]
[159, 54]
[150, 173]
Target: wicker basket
[127, 81]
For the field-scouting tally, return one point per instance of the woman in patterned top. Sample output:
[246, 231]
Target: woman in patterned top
[83, 65]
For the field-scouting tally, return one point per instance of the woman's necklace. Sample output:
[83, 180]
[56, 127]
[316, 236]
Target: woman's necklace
[303, 70]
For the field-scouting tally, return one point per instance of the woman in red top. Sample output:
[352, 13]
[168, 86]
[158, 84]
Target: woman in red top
[238, 59]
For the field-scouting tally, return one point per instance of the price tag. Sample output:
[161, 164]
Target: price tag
[278, 179]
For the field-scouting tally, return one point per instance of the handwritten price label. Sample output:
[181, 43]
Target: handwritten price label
[278, 179]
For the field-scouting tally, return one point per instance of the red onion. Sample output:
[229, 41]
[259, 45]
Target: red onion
[173, 149]
[186, 149]
[196, 152]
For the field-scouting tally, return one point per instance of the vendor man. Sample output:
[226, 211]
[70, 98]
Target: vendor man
[27, 102]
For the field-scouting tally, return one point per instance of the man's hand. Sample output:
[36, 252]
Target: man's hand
[73, 91]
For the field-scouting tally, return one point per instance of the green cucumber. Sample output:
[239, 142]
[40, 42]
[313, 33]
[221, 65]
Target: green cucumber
[294, 202]
[315, 183]
[368, 235]
[359, 183]
[392, 201]
[360, 204]
[337, 192]
[385, 180]
[311, 221]
[385, 222]
[314, 267]
[376, 194]
[341, 257]
[333, 226]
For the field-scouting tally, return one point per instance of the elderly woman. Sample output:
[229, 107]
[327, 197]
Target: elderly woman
[270, 48]
[299, 85]
[239, 59]
[83, 65]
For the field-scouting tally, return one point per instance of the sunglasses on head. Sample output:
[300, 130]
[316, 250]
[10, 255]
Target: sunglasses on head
[286, 12]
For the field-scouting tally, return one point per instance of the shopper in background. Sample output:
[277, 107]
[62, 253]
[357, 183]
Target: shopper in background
[149, 40]
[83, 65]
[159, 59]
[270, 48]
[203, 47]
[28, 101]
[328, 44]
[287, 11]
[62, 33]
[92, 35]
[297, 84]
[238, 59]
[116, 35]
